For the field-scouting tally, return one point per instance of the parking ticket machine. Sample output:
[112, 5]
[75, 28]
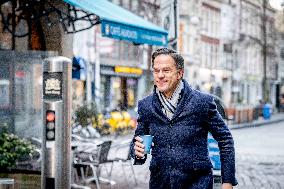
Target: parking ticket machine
[56, 138]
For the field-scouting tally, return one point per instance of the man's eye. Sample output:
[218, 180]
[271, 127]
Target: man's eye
[167, 71]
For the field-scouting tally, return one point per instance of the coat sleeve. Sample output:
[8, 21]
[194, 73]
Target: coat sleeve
[141, 129]
[223, 136]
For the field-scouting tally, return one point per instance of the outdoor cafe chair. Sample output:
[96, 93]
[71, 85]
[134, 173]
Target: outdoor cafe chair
[119, 149]
[92, 161]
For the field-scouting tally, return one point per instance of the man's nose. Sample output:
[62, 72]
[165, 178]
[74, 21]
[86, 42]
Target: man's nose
[161, 74]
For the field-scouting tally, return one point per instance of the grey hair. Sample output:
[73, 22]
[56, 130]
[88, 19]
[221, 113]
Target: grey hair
[174, 54]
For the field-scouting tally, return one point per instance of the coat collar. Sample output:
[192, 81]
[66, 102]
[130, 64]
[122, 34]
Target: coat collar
[187, 95]
[157, 108]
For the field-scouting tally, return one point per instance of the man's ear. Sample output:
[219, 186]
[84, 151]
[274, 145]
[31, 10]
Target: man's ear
[180, 73]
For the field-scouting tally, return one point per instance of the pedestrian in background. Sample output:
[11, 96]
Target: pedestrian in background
[179, 119]
[260, 107]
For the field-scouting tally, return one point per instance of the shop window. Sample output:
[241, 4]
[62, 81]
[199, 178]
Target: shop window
[4, 93]
[282, 53]
[116, 93]
[131, 92]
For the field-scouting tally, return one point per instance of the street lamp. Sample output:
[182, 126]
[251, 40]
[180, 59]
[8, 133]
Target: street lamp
[194, 20]
[282, 5]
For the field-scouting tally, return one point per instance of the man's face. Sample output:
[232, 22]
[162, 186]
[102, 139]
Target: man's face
[166, 74]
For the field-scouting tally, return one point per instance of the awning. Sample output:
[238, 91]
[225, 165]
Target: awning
[119, 23]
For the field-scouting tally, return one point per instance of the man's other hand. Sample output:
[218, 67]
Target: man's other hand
[227, 186]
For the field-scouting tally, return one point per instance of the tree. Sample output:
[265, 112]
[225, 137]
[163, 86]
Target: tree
[32, 18]
[263, 15]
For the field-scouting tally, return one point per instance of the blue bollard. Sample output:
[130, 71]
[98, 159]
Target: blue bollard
[214, 152]
[266, 111]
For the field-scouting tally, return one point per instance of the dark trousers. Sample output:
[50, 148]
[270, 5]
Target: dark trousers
[201, 179]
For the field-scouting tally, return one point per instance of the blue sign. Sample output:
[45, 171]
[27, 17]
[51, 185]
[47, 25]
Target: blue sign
[133, 34]
[122, 24]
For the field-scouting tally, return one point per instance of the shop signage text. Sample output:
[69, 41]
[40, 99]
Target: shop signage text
[129, 70]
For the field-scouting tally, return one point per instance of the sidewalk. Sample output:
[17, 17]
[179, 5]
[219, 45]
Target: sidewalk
[275, 118]
[142, 171]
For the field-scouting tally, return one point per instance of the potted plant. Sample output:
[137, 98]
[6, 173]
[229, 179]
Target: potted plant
[89, 121]
[85, 114]
[12, 148]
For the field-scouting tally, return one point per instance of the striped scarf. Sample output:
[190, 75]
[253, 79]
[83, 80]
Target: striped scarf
[169, 105]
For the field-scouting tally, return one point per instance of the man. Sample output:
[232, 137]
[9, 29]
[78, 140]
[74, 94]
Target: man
[180, 118]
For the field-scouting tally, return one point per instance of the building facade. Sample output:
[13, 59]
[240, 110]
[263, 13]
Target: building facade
[280, 84]
[204, 32]
[230, 49]
[257, 50]
[124, 67]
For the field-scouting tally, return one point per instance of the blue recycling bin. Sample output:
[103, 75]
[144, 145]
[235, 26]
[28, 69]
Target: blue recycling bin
[266, 111]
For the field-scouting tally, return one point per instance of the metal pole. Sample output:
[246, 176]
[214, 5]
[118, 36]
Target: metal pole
[13, 71]
[56, 147]
[88, 82]
[264, 52]
[13, 24]
[97, 71]
[176, 12]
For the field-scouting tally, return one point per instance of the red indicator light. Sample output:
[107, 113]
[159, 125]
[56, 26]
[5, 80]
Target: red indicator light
[50, 116]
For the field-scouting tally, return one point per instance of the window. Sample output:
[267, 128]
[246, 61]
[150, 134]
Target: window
[204, 54]
[134, 5]
[115, 1]
[125, 4]
[282, 54]
[208, 55]
[217, 55]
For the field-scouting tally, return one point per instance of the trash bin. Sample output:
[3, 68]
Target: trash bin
[266, 111]
[6, 183]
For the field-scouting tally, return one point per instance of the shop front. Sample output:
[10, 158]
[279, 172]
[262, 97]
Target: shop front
[20, 91]
[119, 85]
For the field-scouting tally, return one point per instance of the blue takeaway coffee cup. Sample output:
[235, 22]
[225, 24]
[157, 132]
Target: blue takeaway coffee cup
[147, 141]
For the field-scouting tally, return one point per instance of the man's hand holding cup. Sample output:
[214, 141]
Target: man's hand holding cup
[139, 147]
[143, 145]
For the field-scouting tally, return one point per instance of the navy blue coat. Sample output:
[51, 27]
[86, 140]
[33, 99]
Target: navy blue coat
[180, 158]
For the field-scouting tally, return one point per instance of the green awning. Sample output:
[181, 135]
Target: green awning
[122, 24]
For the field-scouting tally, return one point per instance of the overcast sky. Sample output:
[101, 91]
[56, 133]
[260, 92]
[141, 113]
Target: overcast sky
[276, 4]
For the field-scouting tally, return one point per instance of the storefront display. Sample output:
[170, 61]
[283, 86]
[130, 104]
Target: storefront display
[4, 93]
[119, 87]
